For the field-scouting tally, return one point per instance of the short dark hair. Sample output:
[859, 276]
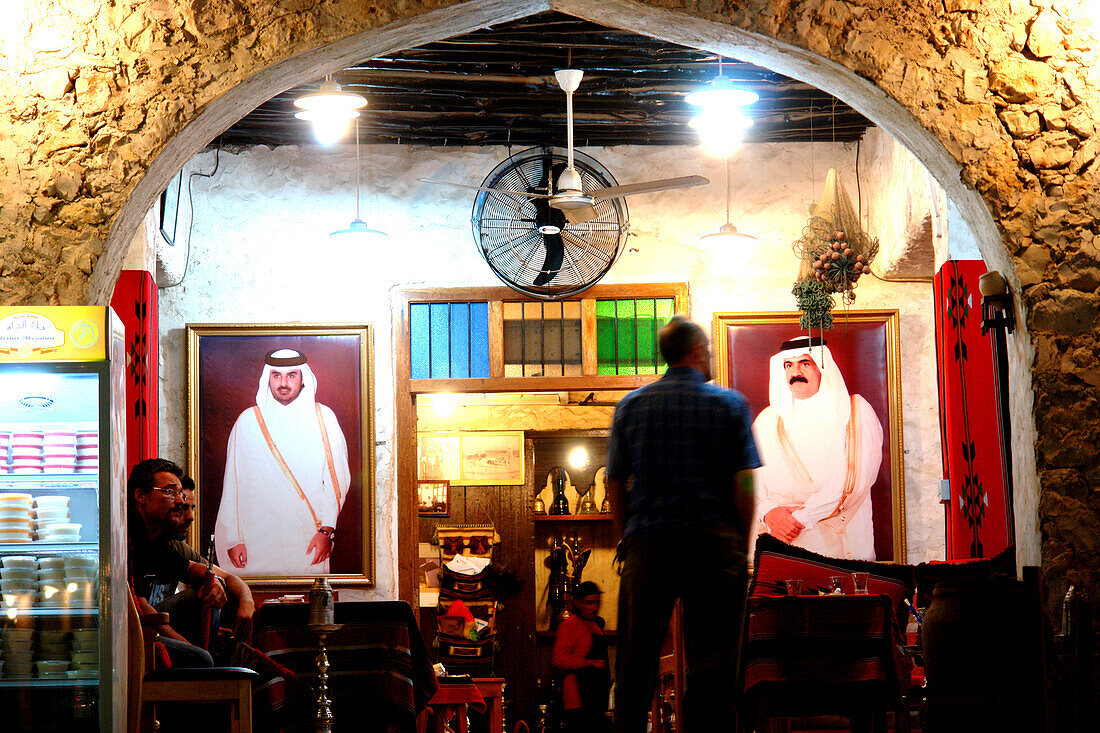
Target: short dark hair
[678, 337]
[585, 589]
[142, 475]
[187, 482]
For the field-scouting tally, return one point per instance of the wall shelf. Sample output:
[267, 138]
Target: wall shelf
[572, 517]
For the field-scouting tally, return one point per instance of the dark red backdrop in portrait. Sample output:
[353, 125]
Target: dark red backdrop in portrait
[229, 369]
[860, 349]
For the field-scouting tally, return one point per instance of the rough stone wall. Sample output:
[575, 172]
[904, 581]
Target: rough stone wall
[92, 91]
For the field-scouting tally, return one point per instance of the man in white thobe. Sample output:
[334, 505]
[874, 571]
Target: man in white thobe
[286, 477]
[821, 449]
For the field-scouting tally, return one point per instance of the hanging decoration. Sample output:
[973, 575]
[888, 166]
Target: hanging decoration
[835, 252]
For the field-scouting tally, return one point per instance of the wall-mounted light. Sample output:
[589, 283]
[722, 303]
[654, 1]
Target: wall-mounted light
[330, 110]
[578, 457]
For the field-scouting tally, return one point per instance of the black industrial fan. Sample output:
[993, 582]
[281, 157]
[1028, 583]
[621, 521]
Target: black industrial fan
[530, 244]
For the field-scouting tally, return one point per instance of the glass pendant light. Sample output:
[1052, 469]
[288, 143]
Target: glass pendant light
[720, 123]
[358, 229]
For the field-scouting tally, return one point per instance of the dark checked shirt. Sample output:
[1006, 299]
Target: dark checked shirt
[682, 441]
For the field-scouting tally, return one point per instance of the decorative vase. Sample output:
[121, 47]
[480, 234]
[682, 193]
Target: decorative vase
[560, 504]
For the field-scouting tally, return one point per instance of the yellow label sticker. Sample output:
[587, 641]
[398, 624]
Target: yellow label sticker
[84, 333]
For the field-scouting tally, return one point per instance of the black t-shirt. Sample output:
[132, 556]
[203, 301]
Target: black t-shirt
[158, 568]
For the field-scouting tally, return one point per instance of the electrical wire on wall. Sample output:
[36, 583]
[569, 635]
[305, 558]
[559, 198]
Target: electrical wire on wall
[191, 205]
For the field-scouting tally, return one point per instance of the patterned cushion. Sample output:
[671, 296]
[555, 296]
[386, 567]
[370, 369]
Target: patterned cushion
[776, 561]
[929, 573]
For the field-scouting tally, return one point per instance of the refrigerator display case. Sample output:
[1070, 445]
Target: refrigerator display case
[62, 519]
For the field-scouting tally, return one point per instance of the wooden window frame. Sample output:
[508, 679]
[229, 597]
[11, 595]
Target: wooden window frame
[406, 389]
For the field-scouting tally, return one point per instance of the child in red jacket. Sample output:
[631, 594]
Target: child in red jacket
[580, 653]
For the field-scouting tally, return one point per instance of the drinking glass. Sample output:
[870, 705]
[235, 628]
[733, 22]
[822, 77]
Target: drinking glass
[860, 580]
[794, 587]
[836, 585]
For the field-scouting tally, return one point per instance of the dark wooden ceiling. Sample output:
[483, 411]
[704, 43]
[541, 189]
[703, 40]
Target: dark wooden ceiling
[496, 86]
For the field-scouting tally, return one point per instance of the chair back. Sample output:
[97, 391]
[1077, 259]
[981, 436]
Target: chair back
[135, 665]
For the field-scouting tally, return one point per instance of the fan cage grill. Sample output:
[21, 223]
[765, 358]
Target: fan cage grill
[506, 228]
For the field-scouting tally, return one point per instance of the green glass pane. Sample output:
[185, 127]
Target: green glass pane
[605, 337]
[664, 307]
[647, 337]
[627, 340]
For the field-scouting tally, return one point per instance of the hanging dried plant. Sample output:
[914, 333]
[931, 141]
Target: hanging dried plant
[816, 304]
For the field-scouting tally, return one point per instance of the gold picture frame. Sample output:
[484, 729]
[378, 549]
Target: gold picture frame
[225, 362]
[743, 344]
[433, 498]
[473, 458]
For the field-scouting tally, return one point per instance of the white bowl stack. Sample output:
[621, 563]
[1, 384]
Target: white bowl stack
[87, 451]
[85, 653]
[16, 645]
[52, 582]
[18, 582]
[26, 451]
[15, 518]
[59, 451]
[51, 516]
[5, 450]
[81, 576]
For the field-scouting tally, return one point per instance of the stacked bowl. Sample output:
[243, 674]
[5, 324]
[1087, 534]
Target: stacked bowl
[26, 451]
[51, 516]
[5, 445]
[59, 451]
[81, 574]
[85, 653]
[87, 451]
[15, 518]
[16, 652]
[18, 582]
[52, 582]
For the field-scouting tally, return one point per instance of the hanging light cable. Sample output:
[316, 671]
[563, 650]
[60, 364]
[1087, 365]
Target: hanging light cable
[728, 232]
[358, 229]
[330, 110]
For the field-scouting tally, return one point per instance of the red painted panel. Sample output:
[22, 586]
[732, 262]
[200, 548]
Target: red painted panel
[135, 302]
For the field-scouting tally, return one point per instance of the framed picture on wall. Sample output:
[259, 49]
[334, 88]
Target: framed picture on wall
[433, 498]
[438, 456]
[280, 444]
[491, 458]
[828, 426]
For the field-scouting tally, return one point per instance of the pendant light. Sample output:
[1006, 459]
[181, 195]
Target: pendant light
[720, 123]
[728, 232]
[330, 109]
[358, 230]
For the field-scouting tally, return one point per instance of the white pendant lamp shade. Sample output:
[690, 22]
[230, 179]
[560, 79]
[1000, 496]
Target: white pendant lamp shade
[727, 233]
[330, 110]
[357, 230]
[721, 93]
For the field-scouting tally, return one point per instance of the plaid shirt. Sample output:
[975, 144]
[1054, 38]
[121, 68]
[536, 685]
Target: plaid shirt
[682, 440]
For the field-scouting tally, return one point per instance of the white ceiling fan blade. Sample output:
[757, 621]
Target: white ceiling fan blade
[580, 216]
[664, 184]
[518, 194]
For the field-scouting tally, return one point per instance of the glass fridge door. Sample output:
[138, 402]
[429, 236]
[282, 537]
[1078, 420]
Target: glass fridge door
[52, 424]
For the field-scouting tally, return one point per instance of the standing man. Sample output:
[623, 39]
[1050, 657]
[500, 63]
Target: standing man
[286, 476]
[821, 449]
[685, 519]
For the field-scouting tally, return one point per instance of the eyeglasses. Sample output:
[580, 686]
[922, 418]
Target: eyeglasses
[169, 491]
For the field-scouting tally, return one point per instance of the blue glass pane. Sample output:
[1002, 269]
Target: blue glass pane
[441, 347]
[420, 339]
[479, 340]
[460, 340]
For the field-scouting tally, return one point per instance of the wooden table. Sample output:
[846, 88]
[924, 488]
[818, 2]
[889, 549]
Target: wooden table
[492, 690]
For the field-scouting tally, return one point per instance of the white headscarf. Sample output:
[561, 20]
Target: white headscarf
[293, 426]
[821, 418]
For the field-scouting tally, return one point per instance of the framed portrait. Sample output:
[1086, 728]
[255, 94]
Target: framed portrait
[842, 443]
[433, 498]
[438, 456]
[491, 458]
[281, 447]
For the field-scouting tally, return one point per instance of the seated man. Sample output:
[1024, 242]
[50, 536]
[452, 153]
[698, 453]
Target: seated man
[240, 605]
[154, 492]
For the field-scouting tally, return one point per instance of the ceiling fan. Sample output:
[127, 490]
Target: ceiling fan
[568, 195]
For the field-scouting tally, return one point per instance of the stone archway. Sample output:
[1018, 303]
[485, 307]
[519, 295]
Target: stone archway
[753, 38]
[103, 101]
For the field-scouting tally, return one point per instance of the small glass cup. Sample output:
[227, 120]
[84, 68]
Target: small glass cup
[794, 587]
[860, 580]
[836, 585]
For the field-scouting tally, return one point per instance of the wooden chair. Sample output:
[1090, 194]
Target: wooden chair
[148, 686]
